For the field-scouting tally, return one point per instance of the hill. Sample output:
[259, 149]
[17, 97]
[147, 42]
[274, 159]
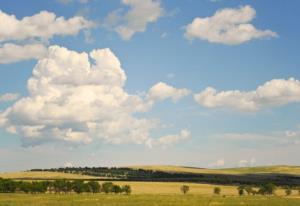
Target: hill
[31, 175]
[291, 170]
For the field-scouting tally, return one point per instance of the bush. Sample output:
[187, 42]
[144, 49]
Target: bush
[94, 186]
[288, 191]
[267, 189]
[126, 189]
[184, 189]
[107, 187]
[217, 190]
[116, 189]
[241, 190]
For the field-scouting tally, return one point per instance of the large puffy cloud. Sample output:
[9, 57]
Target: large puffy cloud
[136, 19]
[273, 93]
[162, 91]
[43, 25]
[227, 26]
[74, 100]
[10, 53]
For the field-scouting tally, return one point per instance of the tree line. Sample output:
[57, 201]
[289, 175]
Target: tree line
[264, 189]
[130, 174]
[61, 186]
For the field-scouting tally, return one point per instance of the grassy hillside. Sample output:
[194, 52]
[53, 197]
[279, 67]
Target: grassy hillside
[294, 170]
[43, 175]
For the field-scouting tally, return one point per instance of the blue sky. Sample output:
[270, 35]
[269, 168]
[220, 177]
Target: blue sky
[199, 89]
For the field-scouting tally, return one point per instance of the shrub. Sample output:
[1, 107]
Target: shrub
[267, 189]
[184, 189]
[217, 190]
[288, 191]
[126, 189]
[107, 187]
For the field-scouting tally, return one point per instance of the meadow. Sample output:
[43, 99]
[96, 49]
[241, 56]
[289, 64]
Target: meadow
[141, 200]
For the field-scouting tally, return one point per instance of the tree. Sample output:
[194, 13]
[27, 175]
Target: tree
[217, 190]
[94, 186]
[25, 186]
[241, 189]
[78, 186]
[116, 189]
[107, 187]
[184, 189]
[126, 189]
[288, 191]
[267, 189]
[250, 190]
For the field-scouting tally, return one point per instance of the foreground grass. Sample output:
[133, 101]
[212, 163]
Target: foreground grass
[140, 200]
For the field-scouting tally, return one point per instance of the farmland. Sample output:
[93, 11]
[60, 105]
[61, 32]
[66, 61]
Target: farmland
[144, 200]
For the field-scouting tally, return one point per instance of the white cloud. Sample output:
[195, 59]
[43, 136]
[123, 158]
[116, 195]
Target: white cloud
[227, 26]
[11, 53]
[170, 139]
[73, 99]
[68, 164]
[218, 163]
[276, 92]
[140, 14]
[9, 97]
[43, 25]
[247, 163]
[162, 91]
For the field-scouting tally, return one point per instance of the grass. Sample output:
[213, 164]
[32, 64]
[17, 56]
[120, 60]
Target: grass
[295, 170]
[43, 175]
[141, 200]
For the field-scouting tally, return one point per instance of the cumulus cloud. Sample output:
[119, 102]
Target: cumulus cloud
[140, 14]
[11, 53]
[9, 97]
[40, 28]
[42, 25]
[78, 97]
[276, 92]
[170, 139]
[162, 91]
[227, 26]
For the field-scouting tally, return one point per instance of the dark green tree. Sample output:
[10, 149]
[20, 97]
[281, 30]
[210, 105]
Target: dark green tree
[79, 186]
[126, 189]
[107, 187]
[267, 189]
[94, 186]
[217, 190]
[241, 189]
[184, 189]
[116, 189]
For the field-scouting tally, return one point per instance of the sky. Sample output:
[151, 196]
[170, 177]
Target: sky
[204, 83]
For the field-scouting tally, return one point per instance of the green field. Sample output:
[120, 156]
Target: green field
[140, 200]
